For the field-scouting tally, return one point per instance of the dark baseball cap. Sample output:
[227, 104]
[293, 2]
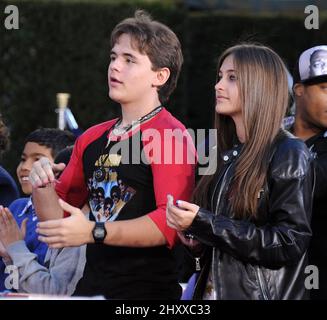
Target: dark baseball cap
[312, 66]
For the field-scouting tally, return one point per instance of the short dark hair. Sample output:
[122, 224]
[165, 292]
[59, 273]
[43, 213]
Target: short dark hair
[54, 139]
[158, 42]
[4, 136]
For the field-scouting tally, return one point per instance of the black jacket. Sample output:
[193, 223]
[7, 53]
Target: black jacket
[263, 258]
[318, 244]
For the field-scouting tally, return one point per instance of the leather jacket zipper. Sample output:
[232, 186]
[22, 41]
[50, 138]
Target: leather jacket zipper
[197, 264]
[262, 283]
[197, 259]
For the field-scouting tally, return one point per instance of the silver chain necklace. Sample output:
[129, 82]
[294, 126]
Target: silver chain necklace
[118, 131]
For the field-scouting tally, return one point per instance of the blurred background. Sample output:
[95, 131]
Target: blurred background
[63, 46]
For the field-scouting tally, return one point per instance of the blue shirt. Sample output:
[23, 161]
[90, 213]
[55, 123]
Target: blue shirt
[23, 208]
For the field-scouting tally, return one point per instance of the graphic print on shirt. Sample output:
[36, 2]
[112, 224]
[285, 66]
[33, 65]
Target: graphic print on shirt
[108, 192]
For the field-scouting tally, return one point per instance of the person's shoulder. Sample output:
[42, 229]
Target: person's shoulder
[4, 174]
[291, 156]
[19, 204]
[166, 120]
[95, 132]
[9, 190]
[287, 142]
[99, 128]
[319, 144]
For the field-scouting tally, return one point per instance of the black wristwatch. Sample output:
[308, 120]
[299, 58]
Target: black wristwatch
[99, 232]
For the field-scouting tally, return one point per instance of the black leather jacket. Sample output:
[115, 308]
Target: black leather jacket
[263, 258]
[318, 246]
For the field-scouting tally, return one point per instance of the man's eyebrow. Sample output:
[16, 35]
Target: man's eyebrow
[129, 55]
[125, 54]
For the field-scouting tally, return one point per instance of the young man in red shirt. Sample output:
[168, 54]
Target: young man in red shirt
[127, 191]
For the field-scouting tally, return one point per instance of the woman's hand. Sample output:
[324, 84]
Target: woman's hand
[180, 217]
[9, 230]
[73, 231]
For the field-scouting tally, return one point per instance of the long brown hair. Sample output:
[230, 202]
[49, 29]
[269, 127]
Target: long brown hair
[263, 92]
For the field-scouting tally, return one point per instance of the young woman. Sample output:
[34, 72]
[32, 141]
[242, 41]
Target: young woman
[252, 217]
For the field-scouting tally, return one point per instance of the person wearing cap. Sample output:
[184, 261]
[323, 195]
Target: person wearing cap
[310, 124]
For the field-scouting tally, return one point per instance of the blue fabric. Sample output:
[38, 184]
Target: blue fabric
[189, 290]
[8, 188]
[23, 208]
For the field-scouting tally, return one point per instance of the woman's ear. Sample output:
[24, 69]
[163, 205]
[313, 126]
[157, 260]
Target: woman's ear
[162, 75]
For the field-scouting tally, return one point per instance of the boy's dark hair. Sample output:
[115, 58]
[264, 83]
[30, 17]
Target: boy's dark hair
[4, 137]
[158, 42]
[54, 139]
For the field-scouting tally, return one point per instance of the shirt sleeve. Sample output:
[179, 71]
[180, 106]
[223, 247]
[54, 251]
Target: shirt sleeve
[71, 186]
[66, 269]
[173, 170]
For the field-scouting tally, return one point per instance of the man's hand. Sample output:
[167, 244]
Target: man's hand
[75, 230]
[44, 171]
[9, 230]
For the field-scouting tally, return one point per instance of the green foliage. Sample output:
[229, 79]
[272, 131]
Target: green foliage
[63, 46]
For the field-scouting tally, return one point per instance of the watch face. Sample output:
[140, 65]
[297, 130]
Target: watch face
[99, 233]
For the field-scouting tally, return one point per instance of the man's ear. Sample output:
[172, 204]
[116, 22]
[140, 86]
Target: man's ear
[162, 75]
[298, 89]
